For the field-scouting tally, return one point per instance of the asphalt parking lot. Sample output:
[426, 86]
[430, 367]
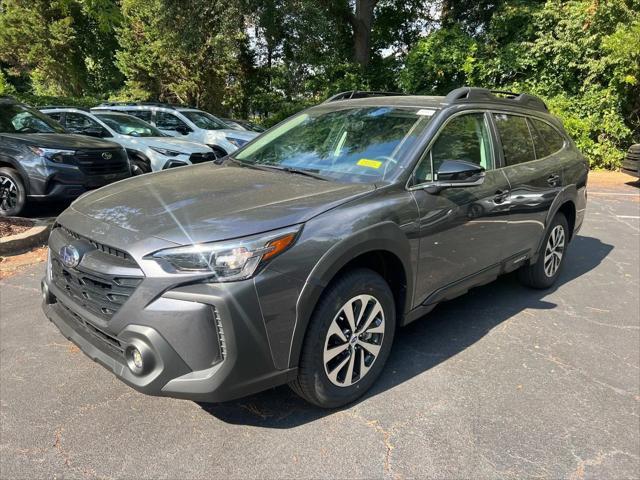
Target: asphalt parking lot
[503, 382]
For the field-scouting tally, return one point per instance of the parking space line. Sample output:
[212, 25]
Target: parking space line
[628, 216]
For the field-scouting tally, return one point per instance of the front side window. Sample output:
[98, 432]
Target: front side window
[168, 121]
[141, 114]
[79, 123]
[363, 144]
[465, 137]
[57, 116]
[128, 125]
[515, 137]
[21, 119]
[545, 138]
[205, 120]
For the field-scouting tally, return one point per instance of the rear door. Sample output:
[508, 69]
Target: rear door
[535, 176]
[461, 229]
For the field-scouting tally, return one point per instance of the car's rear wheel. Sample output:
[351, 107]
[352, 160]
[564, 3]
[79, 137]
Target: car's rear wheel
[12, 193]
[348, 340]
[545, 272]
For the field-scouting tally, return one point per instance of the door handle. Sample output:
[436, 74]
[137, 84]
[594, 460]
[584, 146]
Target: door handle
[500, 196]
[553, 180]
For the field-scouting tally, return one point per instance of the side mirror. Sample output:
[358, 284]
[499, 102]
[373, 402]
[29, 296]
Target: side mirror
[457, 173]
[183, 129]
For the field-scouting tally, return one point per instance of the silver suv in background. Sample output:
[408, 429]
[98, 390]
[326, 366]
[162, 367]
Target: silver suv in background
[187, 123]
[148, 148]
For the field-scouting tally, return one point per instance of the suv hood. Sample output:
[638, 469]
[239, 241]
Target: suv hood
[172, 143]
[205, 203]
[244, 135]
[64, 141]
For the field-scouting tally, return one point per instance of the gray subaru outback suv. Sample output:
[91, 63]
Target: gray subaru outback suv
[295, 260]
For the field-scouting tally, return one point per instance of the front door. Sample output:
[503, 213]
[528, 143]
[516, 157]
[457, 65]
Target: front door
[462, 228]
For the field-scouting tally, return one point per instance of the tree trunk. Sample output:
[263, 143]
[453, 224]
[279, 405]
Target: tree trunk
[362, 23]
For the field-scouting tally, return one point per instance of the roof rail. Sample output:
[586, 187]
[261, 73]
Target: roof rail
[348, 95]
[475, 94]
[49, 107]
[144, 104]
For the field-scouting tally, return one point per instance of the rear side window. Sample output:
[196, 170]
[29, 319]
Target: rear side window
[515, 138]
[546, 139]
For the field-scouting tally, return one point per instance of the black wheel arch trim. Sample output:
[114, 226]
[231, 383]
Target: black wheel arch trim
[568, 194]
[386, 236]
[15, 164]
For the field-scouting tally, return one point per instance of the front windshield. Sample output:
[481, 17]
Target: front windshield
[204, 120]
[21, 119]
[363, 144]
[129, 125]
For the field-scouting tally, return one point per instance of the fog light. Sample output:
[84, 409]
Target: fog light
[136, 357]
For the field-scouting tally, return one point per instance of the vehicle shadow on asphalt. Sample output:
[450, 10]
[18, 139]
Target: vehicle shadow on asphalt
[449, 329]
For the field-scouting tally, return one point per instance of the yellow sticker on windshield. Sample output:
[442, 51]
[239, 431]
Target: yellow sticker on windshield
[365, 162]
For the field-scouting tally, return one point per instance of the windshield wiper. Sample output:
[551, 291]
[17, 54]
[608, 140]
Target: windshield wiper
[268, 166]
[297, 171]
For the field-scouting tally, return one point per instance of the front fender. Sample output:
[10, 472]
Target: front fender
[386, 236]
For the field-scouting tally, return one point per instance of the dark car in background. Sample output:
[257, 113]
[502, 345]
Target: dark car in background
[296, 259]
[631, 162]
[39, 160]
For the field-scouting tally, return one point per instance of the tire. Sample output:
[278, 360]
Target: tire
[139, 166]
[218, 152]
[13, 196]
[352, 290]
[544, 274]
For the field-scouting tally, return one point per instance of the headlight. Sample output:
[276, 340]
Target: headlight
[230, 260]
[238, 142]
[53, 154]
[166, 152]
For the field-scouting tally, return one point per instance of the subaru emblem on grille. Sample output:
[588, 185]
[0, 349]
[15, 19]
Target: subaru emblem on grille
[107, 155]
[69, 256]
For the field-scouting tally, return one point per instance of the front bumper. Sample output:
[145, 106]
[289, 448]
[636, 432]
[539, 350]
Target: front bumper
[204, 342]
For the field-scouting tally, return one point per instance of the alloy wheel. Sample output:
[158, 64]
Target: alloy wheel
[554, 250]
[354, 340]
[8, 193]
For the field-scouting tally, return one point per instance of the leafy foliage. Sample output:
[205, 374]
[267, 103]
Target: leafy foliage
[267, 59]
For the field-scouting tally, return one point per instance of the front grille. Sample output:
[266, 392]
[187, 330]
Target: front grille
[108, 341]
[99, 246]
[92, 162]
[202, 157]
[102, 295]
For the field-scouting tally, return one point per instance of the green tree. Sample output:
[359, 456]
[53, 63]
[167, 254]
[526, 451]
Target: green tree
[59, 47]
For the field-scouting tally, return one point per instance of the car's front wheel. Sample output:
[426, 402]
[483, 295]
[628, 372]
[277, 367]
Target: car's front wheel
[12, 193]
[348, 340]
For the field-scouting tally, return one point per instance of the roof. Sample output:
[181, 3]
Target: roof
[422, 101]
[458, 96]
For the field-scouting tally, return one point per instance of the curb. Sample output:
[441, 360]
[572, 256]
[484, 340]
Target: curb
[36, 236]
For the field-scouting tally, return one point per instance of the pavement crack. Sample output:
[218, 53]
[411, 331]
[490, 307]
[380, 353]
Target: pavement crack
[579, 472]
[386, 439]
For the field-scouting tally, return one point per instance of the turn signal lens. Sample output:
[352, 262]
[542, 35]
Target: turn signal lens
[277, 246]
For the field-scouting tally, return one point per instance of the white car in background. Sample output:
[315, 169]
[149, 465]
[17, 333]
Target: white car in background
[148, 148]
[188, 123]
